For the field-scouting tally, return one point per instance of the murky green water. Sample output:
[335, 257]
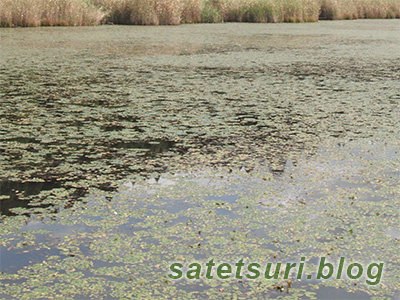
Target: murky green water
[283, 139]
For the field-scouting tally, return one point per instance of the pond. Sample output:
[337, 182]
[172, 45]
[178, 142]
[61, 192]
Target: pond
[124, 149]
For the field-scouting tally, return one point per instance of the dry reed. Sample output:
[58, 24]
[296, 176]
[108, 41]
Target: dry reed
[173, 12]
[359, 9]
[49, 12]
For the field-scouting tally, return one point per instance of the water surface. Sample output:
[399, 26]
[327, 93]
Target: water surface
[257, 140]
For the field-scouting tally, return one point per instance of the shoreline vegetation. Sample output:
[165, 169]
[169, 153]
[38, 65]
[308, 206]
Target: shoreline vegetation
[173, 12]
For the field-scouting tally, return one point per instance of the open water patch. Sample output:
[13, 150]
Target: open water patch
[138, 229]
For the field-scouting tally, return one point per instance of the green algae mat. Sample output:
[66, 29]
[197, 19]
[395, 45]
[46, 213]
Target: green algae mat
[124, 150]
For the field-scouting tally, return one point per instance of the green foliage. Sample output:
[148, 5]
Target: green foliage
[211, 13]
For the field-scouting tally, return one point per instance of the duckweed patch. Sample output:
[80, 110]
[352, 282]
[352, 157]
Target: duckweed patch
[125, 149]
[86, 107]
[122, 247]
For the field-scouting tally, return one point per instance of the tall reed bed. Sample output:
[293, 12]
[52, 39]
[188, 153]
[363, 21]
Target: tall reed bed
[172, 12]
[269, 10]
[358, 9]
[152, 12]
[49, 12]
[155, 12]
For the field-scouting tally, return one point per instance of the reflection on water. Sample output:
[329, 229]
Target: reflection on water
[260, 141]
[152, 147]
[212, 213]
[12, 191]
[90, 106]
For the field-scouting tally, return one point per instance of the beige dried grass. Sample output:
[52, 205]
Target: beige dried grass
[173, 12]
